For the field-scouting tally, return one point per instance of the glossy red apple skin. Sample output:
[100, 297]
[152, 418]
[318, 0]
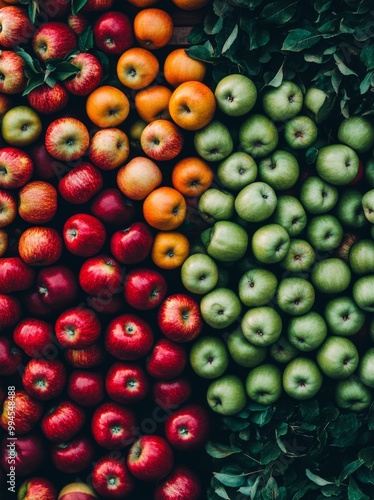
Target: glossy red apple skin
[84, 235]
[90, 357]
[97, 5]
[113, 426]
[10, 357]
[101, 276]
[86, 387]
[188, 428]
[24, 410]
[63, 421]
[179, 318]
[109, 148]
[74, 456]
[171, 393]
[150, 458]
[44, 379]
[15, 275]
[10, 310]
[53, 39]
[133, 244]
[66, 139]
[12, 67]
[77, 491]
[57, 286]
[183, 482]
[16, 167]
[77, 327]
[35, 305]
[34, 336]
[30, 453]
[128, 337]
[126, 383]
[47, 100]
[113, 33]
[112, 207]
[40, 246]
[167, 360]
[45, 166]
[35, 488]
[16, 27]
[8, 208]
[162, 140]
[89, 76]
[78, 23]
[144, 288]
[108, 470]
[80, 184]
[37, 202]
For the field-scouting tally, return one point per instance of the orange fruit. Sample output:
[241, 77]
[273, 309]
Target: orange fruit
[137, 68]
[192, 105]
[170, 249]
[165, 208]
[179, 67]
[152, 103]
[153, 28]
[191, 176]
[138, 177]
[107, 106]
[190, 4]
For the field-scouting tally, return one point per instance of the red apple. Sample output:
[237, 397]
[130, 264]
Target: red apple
[53, 39]
[167, 360]
[8, 208]
[62, 422]
[20, 412]
[77, 327]
[25, 454]
[88, 77]
[106, 305]
[78, 23]
[188, 428]
[171, 393]
[84, 235]
[15, 26]
[113, 426]
[10, 310]
[90, 357]
[57, 286]
[40, 246]
[97, 5]
[37, 202]
[113, 33]
[86, 387]
[77, 490]
[34, 336]
[74, 456]
[13, 79]
[47, 100]
[111, 477]
[45, 166]
[80, 184]
[144, 288]
[44, 379]
[111, 207]
[55, 9]
[126, 383]
[66, 139]
[182, 483]
[101, 276]
[161, 140]
[10, 357]
[37, 488]
[109, 148]
[128, 337]
[133, 244]
[179, 318]
[16, 167]
[150, 458]
[15, 275]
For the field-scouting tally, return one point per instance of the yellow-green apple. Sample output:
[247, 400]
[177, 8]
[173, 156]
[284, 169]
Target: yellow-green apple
[109, 148]
[48, 100]
[162, 140]
[256, 202]
[352, 395]
[343, 316]
[361, 257]
[40, 246]
[209, 357]
[44, 379]
[63, 421]
[150, 458]
[257, 287]
[112, 207]
[21, 412]
[295, 295]
[337, 357]
[144, 288]
[237, 171]
[13, 78]
[167, 360]
[258, 135]
[236, 94]
[300, 256]
[126, 383]
[368, 205]
[113, 32]
[300, 132]
[337, 164]
[83, 234]
[21, 126]
[226, 395]
[243, 352]
[16, 26]
[307, 332]
[262, 325]
[220, 307]
[318, 104]
[331, 275]
[283, 102]
[226, 241]
[66, 138]
[366, 368]
[57, 286]
[188, 428]
[357, 132]
[85, 387]
[214, 141]
[349, 209]
[101, 275]
[77, 327]
[10, 357]
[282, 351]
[179, 318]
[90, 357]
[302, 378]
[216, 204]
[133, 244]
[171, 393]
[199, 273]
[10, 310]
[35, 488]
[81, 183]
[8, 208]
[16, 167]
[37, 202]
[53, 39]
[89, 74]
[280, 170]
[363, 292]
[24, 455]
[72, 490]
[111, 477]
[74, 456]
[270, 243]
[182, 481]
[113, 426]
[15, 275]
[264, 384]
[318, 196]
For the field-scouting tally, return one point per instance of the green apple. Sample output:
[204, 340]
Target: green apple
[349, 208]
[307, 332]
[215, 204]
[243, 352]
[256, 202]
[209, 357]
[290, 214]
[214, 141]
[343, 316]
[366, 368]
[264, 384]
[237, 171]
[368, 205]
[300, 256]
[295, 295]
[315, 101]
[258, 136]
[235, 94]
[324, 232]
[226, 395]
[261, 325]
[21, 126]
[317, 195]
[270, 243]
[369, 172]
[351, 394]
[257, 287]
[331, 275]
[282, 351]
[337, 164]
[363, 292]
[283, 102]
[199, 273]
[280, 170]
[337, 357]
[357, 132]
[220, 307]
[361, 257]
[300, 132]
[302, 378]
[226, 241]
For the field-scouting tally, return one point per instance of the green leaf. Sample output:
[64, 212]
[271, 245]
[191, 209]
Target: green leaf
[212, 24]
[65, 70]
[366, 476]
[231, 480]
[280, 12]
[343, 68]
[221, 492]
[32, 10]
[269, 452]
[104, 60]
[300, 39]
[32, 63]
[316, 479]
[196, 35]
[367, 456]
[344, 429]
[220, 450]
[270, 492]
[77, 5]
[86, 40]
[34, 83]
[367, 55]
[262, 415]
[354, 492]
[336, 80]
[322, 5]
[200, 52]
[277, 79]
[231, 39]
[348, 470]
[326, 108]
[309, 410]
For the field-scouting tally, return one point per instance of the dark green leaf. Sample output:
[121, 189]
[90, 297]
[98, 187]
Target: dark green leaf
[354, 492]
[245, 435]
[270, 451]
[231, 480]
[196, 35]
[367, 456]
[85, 40]
[220, 450]
[77, 5]
[367, 55]
[200, 52]
[309, 410]
[235, 424]
[316, 479]
[336, 80]
[348, 470]
[365, 475]
[263, 416]
[280, 12]
[300, 39]
[65, 70]
[326, 108]
[231, 39]
[104, 60]
[33, 83]
[275, 80]
[330, 490]
[328, 27]
[343, 68]
[32, 10]
[221, 492]
[32, 63]
[322, 5]
[270, 491]
[212, 24]
[344, 429]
